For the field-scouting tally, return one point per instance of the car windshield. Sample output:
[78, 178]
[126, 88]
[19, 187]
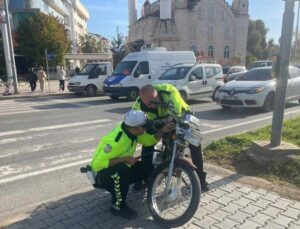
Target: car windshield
[225, 69]
[256, 75]
[175, 73]
[124, 68]
[86, 69]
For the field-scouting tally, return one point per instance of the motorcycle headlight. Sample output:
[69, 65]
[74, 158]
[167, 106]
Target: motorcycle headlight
[194, 137]
[255, 90]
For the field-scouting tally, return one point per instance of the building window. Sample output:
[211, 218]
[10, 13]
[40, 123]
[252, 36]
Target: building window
[211, 13]
[226, 52]
[227, 33]
[194, 49]
[211, 32]
[193, 32]
[200, 13]
[223, 15]
[210, 51]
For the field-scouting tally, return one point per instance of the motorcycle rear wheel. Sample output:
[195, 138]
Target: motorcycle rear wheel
[165, 215]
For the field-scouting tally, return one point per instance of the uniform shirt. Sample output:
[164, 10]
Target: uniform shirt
[118, 143]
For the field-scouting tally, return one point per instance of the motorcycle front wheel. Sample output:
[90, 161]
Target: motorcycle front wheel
[176, 206]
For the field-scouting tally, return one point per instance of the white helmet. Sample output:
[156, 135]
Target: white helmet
[137, 119]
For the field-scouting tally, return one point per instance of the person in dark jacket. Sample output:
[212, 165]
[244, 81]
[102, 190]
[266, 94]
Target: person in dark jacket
[32, 78]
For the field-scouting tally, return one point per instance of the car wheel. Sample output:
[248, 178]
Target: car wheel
[114, 97]
[226, 107]
[183, 95]
[269, 103]
[91, 90]
[133, 94]
[213, 97]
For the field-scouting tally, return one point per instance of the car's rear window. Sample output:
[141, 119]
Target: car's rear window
[256, 75]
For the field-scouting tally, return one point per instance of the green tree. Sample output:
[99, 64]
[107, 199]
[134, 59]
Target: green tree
[39, 32]
[118, 48]
[257, 45]
[89, 43]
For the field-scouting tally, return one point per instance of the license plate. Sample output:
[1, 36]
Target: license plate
[231, 97]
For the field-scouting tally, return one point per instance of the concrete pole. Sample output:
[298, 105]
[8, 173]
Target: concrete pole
[11, 47]
[296, 35]
[6, 48]
[285, 51]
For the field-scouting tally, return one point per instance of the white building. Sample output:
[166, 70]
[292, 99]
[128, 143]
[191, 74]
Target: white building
[71, 12]
[213, 29]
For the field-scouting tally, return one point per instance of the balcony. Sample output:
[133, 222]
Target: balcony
[58, 6]
[81, 9]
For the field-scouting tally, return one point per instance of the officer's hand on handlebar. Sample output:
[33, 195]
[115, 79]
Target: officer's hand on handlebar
[131, 160]
[168, 127]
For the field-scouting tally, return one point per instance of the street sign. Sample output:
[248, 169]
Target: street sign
[50, 56]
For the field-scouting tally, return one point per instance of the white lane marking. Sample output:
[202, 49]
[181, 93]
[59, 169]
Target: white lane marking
[22, 112]
[23, 176]
[209, 125]
[53, 127]
[246, 123]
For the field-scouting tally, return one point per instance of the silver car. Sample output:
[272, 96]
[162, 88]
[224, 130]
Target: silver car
[256, 88]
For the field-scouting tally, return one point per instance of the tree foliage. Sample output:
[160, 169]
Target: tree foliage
[39, 32]
[118, 48]
[258, 47]
[89, 43]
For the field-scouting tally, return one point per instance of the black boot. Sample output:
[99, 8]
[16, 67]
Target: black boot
[123, 211]
[203, 182]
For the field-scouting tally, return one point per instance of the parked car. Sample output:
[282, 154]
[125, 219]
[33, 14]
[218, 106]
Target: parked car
[260, 63]
[233, 76]
[194, 80]
[256, 88]
[225, 69]
[140, 68]
[236, 69]
[90, 78]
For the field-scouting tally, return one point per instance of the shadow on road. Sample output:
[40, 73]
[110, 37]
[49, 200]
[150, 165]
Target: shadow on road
[91, 210]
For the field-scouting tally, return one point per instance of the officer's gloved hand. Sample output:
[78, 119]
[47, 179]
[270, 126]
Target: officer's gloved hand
[160, 122]
[168, 127]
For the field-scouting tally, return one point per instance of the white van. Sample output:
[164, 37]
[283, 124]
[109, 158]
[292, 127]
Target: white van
[194, 80]
[141, 68]
[90, 78]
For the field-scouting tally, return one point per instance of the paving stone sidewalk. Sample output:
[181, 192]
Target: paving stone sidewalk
[228, 204]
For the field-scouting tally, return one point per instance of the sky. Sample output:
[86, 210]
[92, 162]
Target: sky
[107, 15]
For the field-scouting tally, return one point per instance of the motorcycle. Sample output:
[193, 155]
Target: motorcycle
[174, 189]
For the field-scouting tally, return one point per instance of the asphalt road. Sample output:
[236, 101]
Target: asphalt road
[44, 141]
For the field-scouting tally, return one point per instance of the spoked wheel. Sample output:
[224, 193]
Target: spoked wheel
[176, 206]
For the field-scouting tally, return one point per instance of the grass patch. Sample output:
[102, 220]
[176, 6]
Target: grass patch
[230, 153]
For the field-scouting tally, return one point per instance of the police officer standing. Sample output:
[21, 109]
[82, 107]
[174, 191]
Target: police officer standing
[114, 164]
[148, 102]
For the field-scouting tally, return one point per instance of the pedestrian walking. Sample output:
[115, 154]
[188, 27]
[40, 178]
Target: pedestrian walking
[32, 78]
[42, 77]
[61, 75]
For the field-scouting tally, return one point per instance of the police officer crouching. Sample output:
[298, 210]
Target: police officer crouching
[114, 164]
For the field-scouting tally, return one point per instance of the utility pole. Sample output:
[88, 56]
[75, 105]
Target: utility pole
[11, 47]
[296, 35]
[5, 44]
[281, 81]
